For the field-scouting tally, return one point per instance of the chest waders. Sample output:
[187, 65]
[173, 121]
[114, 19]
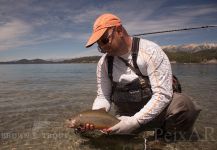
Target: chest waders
[129, 98]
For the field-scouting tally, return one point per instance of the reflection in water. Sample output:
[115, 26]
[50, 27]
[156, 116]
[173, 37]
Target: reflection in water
[117, 142]
[36, 99]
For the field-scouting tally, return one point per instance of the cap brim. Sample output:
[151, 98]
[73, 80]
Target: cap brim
[95, 37]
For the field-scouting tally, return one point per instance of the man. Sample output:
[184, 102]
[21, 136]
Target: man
[135, 74]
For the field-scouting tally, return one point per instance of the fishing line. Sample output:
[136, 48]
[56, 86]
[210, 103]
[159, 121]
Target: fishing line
[175, 30]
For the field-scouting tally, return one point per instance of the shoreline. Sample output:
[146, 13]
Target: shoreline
[95, 59]
[203, 63]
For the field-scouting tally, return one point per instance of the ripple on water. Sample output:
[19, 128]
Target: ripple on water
[36, 100]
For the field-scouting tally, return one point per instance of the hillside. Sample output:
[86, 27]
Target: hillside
[26, 61]
[90, 59]
[205, 56]
[191, 53]
[190, 47]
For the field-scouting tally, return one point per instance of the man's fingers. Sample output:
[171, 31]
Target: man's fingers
[81, 128]
[70, 123]
[105, 131]
[87, 126]
[91, 127]
[113, 129]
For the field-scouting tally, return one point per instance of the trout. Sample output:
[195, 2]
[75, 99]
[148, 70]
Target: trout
[99, 118]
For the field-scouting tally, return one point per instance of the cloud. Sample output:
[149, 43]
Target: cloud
[179, 17]
[195, 10]
[50, 21]
[12, 34]
[17, 33]
[13, 29]
[146, 16]
[86, 15]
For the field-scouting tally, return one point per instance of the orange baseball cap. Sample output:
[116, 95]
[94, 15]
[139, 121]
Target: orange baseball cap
[101, 24]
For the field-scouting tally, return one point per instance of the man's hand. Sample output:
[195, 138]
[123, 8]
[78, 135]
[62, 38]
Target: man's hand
[126, 126]
[83, 128]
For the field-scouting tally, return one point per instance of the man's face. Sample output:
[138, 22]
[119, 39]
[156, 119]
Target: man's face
[107, 43]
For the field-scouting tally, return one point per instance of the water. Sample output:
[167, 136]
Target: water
[35, 100]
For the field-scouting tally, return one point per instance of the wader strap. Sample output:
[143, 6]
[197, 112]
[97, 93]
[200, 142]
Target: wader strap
[135, 50]
[110, 60]
[110, 67]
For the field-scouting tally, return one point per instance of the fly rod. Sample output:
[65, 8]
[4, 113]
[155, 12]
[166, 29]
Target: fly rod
[175, 30]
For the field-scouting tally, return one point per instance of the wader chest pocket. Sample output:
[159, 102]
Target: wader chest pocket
[127, 96]
[134, 92]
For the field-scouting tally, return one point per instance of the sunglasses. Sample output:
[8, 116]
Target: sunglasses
[105, 40]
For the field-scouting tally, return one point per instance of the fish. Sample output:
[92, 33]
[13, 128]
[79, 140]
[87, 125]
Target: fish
[99, 118]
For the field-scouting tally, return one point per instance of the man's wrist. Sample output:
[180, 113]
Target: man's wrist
[138, 117]
[136, 121]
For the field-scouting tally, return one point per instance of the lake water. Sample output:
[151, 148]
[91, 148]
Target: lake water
[35, 101]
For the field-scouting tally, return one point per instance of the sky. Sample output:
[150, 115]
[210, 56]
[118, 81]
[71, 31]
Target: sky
[59, 29]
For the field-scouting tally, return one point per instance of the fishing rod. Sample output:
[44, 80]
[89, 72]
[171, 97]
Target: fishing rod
[175, 30]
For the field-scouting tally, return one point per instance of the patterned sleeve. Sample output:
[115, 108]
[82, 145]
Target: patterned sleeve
[103, 86]
[160, 75]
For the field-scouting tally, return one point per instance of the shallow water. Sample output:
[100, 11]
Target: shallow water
[35, 100]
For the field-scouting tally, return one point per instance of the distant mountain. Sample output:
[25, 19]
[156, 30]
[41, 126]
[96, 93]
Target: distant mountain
[204, 56]
[190, 47]
[90, 59]
[26, 61]
[190, 53]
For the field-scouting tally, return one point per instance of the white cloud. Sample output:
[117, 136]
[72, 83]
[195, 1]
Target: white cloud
[87, 15]
[13, 30]
[11, 34]
[141, 26]
[195, 11]
[179, 17]
[17, 33]
[48, 21]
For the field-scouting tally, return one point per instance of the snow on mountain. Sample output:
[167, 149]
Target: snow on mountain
[190, 47]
